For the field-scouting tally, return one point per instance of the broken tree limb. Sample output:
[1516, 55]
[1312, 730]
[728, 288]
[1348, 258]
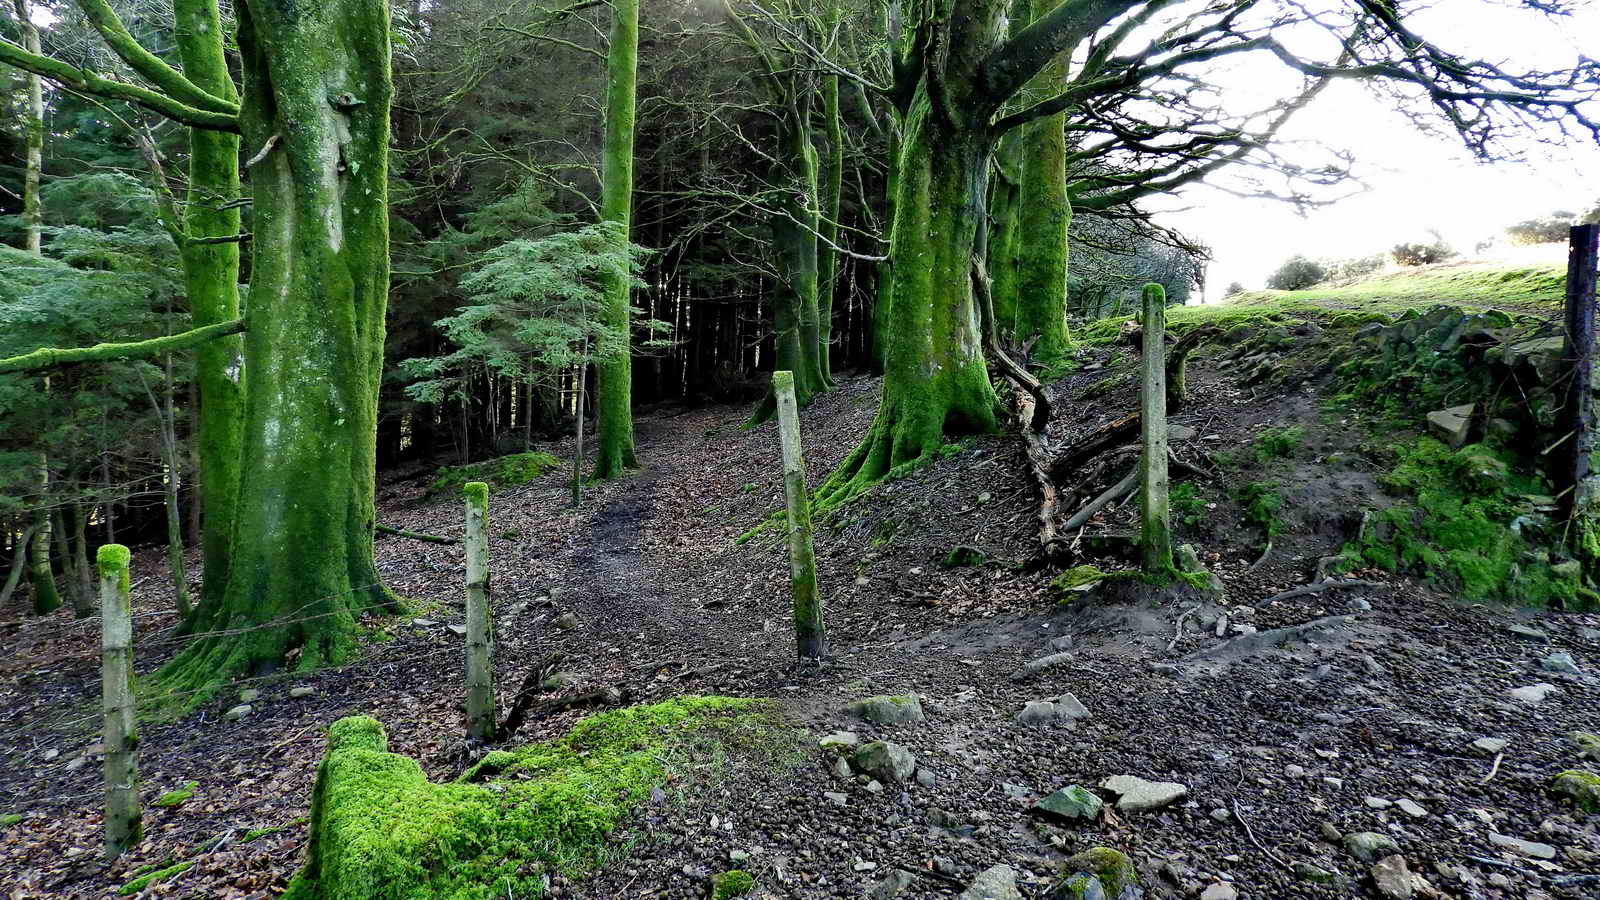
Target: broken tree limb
[48, 357]
[414, 535]
[1116, 492]
[1321, 586]
[1109, 436]
[1033, 414]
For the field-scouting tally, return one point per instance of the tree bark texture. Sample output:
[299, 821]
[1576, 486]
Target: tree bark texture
[614, 445]
[479, 662]
[1155, 525]
[809, 632]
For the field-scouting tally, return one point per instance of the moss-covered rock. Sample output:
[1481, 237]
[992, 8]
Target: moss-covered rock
[732, 883]
[889, 709]
[10, 819]
[1111, 868]
[506, 471]
[1579, 786]
[1588, 744]
[380, 830]
[1075, 581]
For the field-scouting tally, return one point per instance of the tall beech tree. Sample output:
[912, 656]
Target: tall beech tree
[614, 450]
[314, 117]
[1136, 63]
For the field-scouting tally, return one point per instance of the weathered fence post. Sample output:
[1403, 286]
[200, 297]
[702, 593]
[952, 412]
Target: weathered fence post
[124, 822]
[1577, 414]
[809, 633]
[480, 680]
[1155, 527]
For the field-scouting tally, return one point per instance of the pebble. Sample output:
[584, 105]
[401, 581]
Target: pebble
[836, 798]
[1490, 744]
[1377, 803]
[1221, 891]
[249, 695]
[1367, 845]
[997, 883]
[1294, 771]
[1221, 815]
[301, 692]
[237, 713]
[1527, 631]
[1331, 832]
[1307, 872]
[1335, 783]
[1412, 808]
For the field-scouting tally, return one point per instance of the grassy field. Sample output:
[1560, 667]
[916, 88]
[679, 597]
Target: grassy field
[1530, 289]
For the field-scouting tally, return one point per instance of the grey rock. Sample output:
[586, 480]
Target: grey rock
[997, 883]
[1071, 803]
[1526, 848]
[1294, 771]
[302, 692]
[836, 798]
[1220, 891]
[1056, 709]
[1532, 694]
[885, 761]
[1221, 815]
[925, 777]
[1490, 744]
[874, 787]
[1392, 878]
[1061, 643]
[1181, 433]
[1527, 631]
[1411, 808]
[1367, 846]
[1081, 886]
[458, 630]
[1331, 832]
[249, 695]
[1313, 873]
[1136, 794]
[237, 712]
[889, 710]
[892, 886]
[1560, 662]
[840, 767]
[566, 621]
[1452, 425]
[1034, 667]
[839, 741]
[1377, 803]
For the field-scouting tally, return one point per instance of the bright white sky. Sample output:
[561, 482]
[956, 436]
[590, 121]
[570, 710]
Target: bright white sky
[1415, 182]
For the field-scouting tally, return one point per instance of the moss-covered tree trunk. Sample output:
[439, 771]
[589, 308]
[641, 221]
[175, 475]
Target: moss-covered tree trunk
[832, 184]
[1005, 216]
[614, 447]
[1044, 215]
[33, 127]
[211, 279]
[936, 387]
[315, 118]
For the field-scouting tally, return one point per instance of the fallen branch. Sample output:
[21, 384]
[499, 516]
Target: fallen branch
[1179, 636]
[414, 535]
[1321, 586]
[1116, 492]
[1250, 833]
[602, 696]
[1248, 644]
[1033, 414]
[1109, 436]
[1494, 769]
[1259, 562]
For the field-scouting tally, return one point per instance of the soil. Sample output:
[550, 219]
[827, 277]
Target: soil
[1275, 741]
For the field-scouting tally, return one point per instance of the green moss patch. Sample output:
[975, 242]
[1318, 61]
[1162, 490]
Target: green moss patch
[179, 796]
[157, 875]
[381, 830]
[731, 884]
[1468, 524]
[507, 471]
[10, 819]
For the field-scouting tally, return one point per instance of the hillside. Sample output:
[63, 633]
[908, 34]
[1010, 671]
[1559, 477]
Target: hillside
[1530, 288]
[1309, 723]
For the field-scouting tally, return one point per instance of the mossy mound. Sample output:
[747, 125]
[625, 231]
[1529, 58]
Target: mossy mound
[1111, 868]
[504, 472]
[1579, 786]
[1471, 521]
[179, 796]
[380, 830]
[731, 884]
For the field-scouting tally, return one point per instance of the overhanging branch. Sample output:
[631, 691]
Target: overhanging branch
[47, 357]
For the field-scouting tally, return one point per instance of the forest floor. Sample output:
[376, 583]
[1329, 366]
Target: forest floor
[1279, 744]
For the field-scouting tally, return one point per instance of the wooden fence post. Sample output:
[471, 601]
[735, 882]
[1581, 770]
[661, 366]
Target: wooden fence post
[809, 632]
[480, 679]
[124, 822]
[1155, 527]
[577, 448]
[1577, 414]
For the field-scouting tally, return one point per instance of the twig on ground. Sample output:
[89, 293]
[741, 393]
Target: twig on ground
[1179, 636]
[1494, 769]
[1264, 554]
[1249, 832]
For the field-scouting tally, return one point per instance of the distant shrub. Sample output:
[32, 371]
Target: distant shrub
[1551, 229]
[1233, 290]
[1355, 267]
[1297, 273]
[1420, 254]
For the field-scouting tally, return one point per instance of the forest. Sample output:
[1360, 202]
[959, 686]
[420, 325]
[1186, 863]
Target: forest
[789, 448]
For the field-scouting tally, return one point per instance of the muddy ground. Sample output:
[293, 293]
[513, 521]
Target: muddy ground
[1278, 743]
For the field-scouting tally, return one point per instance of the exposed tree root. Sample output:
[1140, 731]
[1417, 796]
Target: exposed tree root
[414, 535]
[1116, 492]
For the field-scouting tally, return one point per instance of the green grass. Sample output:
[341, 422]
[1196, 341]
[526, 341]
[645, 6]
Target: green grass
[1470, 287]
[1278, 443]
